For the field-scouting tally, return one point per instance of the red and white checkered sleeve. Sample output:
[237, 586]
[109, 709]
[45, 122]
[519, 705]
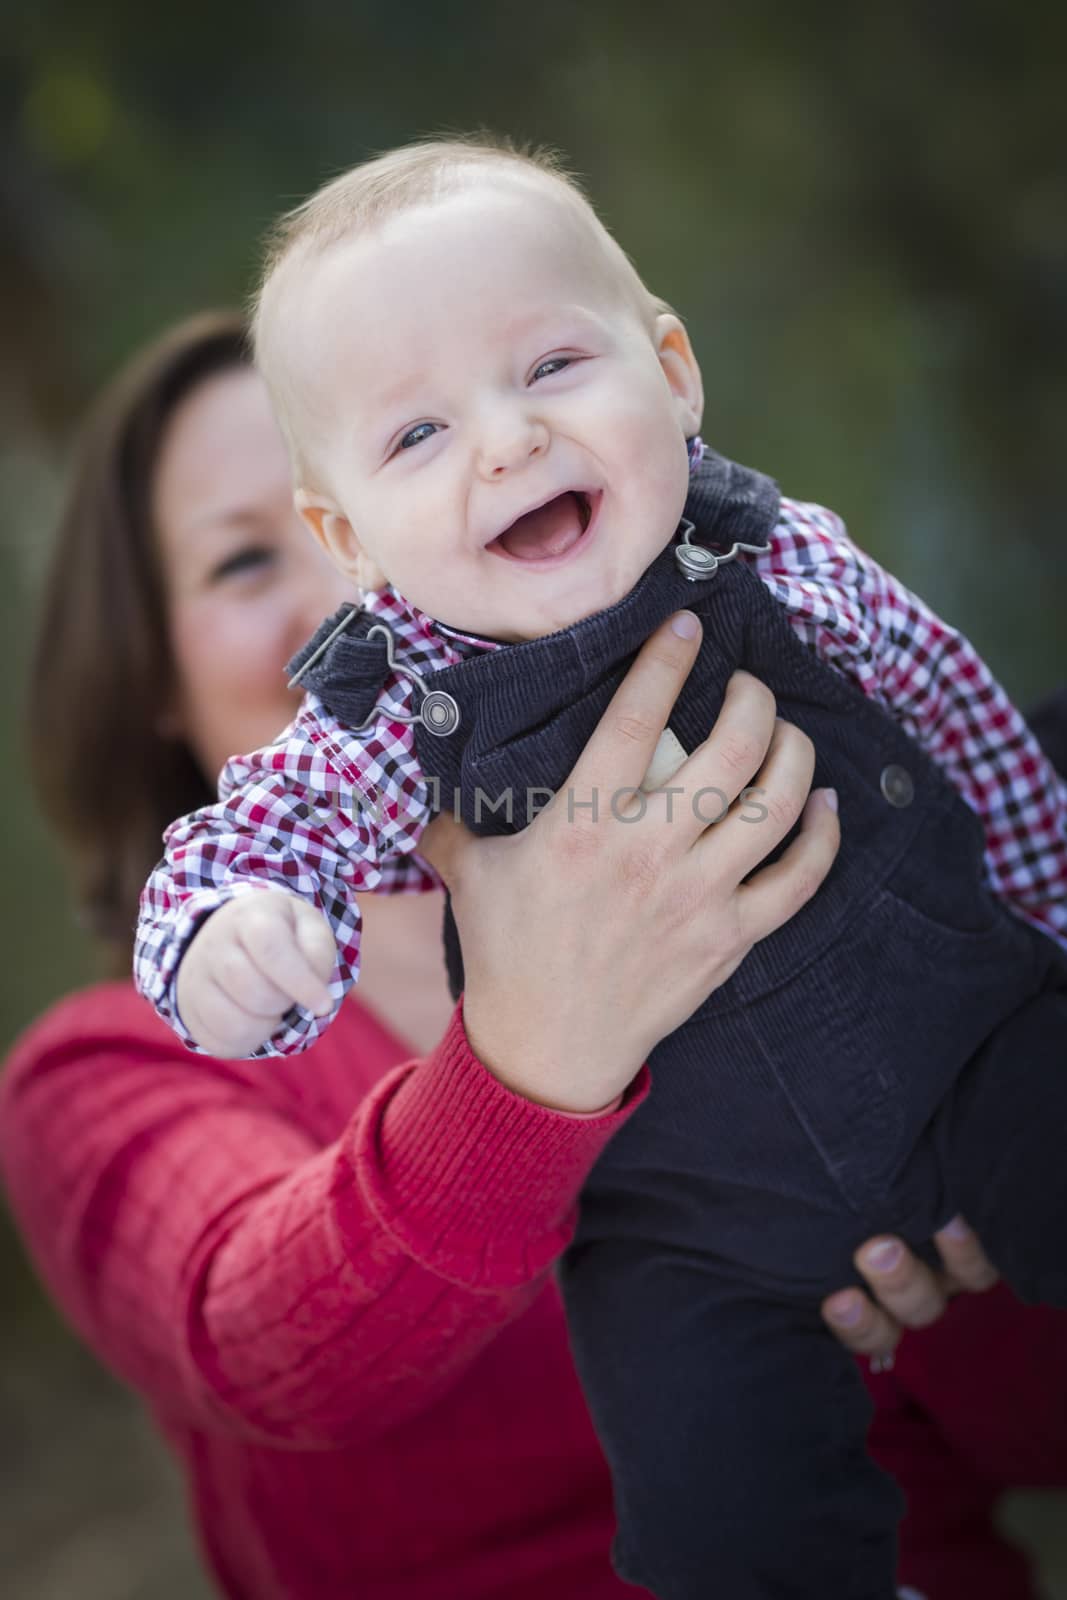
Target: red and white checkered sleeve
[932, 680]
[291, 818]
[946, 695]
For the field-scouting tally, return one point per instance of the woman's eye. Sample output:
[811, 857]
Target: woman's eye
[246, 560]
[556, 363]
[417, 434]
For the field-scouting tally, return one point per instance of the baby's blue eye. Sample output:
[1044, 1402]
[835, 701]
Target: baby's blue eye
[557, 362]
[416, 435]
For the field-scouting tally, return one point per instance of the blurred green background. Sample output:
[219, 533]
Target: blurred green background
[860, 211]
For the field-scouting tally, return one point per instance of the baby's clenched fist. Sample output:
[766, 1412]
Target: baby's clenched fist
[248, 964]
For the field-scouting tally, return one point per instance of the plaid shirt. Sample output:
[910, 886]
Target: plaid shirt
[327, 814]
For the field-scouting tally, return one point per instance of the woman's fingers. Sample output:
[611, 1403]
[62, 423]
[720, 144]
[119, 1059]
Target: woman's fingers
[732, 848]
[906, 1287]
[734, 756]
[618, 754]
[861, 1325]
[776, 796]
[776, 893]
[913, 1293]
[904, 1293]
[967, 1267]
[442, 845]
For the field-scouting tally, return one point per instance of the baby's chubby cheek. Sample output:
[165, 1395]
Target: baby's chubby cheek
[654, 506]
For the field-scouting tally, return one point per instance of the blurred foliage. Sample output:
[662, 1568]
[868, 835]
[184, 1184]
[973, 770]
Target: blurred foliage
[860, 211]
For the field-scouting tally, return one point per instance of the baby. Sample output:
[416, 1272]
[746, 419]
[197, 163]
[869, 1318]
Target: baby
[494, 431]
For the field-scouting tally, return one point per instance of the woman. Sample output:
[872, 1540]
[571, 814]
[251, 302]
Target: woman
[330, 1277]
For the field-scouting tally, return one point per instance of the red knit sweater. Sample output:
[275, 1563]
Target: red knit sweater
[329, 1276]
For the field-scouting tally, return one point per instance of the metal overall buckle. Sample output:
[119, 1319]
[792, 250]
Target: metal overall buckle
[695, 562]
[438, 712]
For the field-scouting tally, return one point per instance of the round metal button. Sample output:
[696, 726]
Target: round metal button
[897, 785]
[439, 713]
[695, 561]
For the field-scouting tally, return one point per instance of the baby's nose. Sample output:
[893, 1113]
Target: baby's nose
[508, 448]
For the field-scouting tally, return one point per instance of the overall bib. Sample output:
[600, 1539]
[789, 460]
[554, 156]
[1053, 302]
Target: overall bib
[892, 1055]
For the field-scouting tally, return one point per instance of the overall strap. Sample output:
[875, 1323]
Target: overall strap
[341, 665]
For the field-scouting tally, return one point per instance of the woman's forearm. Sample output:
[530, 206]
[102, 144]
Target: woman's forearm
[243, 1277]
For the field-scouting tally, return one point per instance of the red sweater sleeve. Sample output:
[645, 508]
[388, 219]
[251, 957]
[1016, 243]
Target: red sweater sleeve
[242, 1273]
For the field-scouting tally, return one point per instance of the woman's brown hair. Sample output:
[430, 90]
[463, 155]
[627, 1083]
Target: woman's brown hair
[102, 677]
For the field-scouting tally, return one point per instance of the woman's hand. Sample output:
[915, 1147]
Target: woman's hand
[904, 1291]
[600, 928]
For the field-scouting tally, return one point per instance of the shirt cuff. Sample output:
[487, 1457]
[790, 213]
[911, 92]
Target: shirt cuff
[478, 1183]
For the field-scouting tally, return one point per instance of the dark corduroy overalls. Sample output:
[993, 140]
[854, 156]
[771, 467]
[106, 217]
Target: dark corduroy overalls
[868, 1068]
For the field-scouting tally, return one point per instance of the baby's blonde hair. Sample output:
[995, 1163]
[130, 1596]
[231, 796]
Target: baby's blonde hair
[399, 180]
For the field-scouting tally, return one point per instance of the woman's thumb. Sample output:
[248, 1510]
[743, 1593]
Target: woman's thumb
[443, 844]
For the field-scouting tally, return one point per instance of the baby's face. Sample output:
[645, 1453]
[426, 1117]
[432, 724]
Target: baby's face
[498, 430]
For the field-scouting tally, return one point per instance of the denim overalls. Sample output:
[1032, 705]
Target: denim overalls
[867, 1068]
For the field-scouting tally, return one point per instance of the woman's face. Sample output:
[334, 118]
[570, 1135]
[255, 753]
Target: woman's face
[245, 583]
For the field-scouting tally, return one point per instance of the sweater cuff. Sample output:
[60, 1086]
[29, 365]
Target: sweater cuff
[477, 1183]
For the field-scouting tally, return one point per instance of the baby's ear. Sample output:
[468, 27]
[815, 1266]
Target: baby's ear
[338, 538]
[681, 371]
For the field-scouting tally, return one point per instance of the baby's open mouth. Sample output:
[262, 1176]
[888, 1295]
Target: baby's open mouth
[551, 530]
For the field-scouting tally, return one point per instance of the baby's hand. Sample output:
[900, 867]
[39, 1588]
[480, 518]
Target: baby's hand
[251, 961]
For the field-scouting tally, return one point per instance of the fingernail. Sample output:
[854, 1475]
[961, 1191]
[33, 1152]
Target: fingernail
[883, 1256]
[830, 796]
[847, 1312]
[685, 625]
[957, 1229]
